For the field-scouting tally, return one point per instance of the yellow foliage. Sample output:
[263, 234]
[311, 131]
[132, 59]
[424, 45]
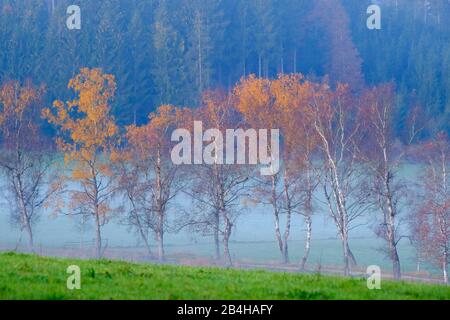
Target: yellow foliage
[88, 128]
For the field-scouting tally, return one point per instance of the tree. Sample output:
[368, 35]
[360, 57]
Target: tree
[168, 69]
[205, 40]
[300, 176]
[336, 124]
[432, 215]
[26, 156]
[264, 34]
[149, 178]
[281, 104]
[382, 154]
[88, 136]
[218, 188]
[343, 63]
[256, 102]
[138, 78]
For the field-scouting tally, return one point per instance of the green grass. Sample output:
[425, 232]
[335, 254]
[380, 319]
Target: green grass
[33, 277]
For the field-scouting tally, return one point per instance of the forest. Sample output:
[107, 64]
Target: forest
[86, 117]
[170, 51]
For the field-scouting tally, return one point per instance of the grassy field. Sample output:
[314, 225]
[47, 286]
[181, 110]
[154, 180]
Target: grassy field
[33, 277]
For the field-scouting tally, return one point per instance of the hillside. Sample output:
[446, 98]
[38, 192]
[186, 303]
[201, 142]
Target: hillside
[33, 277]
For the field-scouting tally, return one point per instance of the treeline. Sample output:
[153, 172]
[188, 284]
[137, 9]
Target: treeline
[170, 51]
[334, 142]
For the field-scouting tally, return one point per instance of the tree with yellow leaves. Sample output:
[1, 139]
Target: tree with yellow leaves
[88, 137]
[148, 178]
[281, 103]
[26, 156]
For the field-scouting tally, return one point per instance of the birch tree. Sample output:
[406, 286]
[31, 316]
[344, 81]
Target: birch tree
[88, 136]
[149, 178]
[281, 104]
[26, 156]
[432, 216]
[335, 122]
[219, 189]
[382, 155]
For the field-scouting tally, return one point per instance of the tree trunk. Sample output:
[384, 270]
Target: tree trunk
[395, 262]
[351, 257]
[26, 220]
[147, 245]
[259, 65]
[98, 238]
[140, 228]
[216, 235]
[226, 239]
[396, 270]
[287, 229]
[295, 60]
[390, 215]
[160, 240]
[277, 217]
[277, 232]
[307, 242]
[285, 250]
[160, 208]
[445, 266]
[346, 263]
[30, 234]
[160, 237]
[144, 238]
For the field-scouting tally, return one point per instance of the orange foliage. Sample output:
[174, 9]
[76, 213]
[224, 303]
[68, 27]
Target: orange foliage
[17, 101]
[279, 104]
[147, 140]
[86, 123]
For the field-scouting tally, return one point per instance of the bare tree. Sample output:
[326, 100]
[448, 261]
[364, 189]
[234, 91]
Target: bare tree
[382, 154]
[149, 179]
[339, 132]
[218, 188]
[308, 182]
[432, 216]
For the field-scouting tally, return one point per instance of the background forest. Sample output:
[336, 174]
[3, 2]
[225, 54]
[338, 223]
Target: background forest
[170, 51]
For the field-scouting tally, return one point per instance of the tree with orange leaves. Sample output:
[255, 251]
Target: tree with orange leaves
[148, 177]
[255, 100]
[300, 176]
[26, 155]
[281, 103]
[88, 136]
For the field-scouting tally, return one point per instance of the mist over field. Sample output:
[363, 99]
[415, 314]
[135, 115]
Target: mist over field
[252, 240]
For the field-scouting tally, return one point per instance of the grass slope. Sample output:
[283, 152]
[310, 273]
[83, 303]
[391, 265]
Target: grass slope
[33, 277]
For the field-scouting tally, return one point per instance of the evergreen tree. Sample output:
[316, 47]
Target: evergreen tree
[168, 69]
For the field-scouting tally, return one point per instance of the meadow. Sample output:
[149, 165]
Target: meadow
[34, 277]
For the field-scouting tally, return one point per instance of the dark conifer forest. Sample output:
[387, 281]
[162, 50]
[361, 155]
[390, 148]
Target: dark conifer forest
[170, 51]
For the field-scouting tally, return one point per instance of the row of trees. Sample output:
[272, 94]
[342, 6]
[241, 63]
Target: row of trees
[334, 142]
[170, 51]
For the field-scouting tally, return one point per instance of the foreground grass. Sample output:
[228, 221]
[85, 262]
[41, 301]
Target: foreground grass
[33, 277]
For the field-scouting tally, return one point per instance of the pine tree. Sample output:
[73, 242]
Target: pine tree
[168, 70]
[264, 35]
